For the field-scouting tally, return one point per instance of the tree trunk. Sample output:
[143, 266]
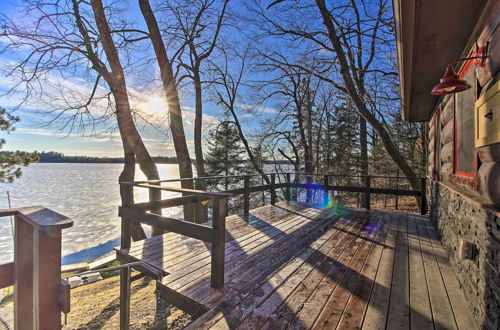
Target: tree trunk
[126, 124]
[126, 191]
[198, 122]
[173, 102]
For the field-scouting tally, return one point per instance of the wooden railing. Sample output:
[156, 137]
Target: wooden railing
[39, 293]
[324, 182]
[214, 234]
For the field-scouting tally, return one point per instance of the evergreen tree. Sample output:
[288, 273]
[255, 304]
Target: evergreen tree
[224, 157]
[10, 163]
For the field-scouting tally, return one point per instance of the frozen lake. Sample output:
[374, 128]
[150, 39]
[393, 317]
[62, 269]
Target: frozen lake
[87, 193]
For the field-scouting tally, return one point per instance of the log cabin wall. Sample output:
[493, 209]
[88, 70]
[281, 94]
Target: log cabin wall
[464, 192]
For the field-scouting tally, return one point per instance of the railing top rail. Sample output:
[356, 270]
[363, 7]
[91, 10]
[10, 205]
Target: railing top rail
[39, 216]
[155, 182]
[177, 189]
[196, 178]
[353, 176]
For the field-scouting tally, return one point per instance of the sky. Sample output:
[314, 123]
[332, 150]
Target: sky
[33, 132]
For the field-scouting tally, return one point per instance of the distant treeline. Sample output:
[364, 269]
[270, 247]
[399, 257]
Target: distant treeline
[57, 157]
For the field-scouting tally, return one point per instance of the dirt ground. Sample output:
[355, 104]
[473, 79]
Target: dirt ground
[96, 306]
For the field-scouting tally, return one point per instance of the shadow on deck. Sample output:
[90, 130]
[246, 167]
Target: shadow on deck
[290, 265]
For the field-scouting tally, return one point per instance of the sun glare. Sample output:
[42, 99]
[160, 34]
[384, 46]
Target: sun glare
[154, 105]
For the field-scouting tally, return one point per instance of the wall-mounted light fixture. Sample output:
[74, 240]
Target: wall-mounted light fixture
[451, 83]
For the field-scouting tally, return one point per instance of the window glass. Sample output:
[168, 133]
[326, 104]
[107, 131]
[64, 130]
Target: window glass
[464, 121]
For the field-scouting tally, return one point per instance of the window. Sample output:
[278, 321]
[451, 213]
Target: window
[464, 153]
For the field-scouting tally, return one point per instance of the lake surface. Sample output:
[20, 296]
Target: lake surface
[87, 193]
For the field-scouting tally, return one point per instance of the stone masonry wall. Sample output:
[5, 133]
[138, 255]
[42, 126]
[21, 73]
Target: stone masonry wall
[462, 224]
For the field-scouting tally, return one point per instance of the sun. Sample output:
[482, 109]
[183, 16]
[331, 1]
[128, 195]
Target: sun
[153, 105]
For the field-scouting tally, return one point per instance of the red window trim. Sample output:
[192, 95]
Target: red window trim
[437, 125]
[463, 72]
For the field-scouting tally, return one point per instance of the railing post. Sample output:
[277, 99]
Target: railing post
[423, 196]
[273, 189]
[396, 202]
[246, 194]
[47, 278]
[23, 285]
[327, 195]
[367, 194]
[219, 228]
[37, 267]
[288, 190]
[125, 278]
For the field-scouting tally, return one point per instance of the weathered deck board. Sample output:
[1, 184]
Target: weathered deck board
[298, 267]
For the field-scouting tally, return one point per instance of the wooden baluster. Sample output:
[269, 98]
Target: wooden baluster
[288, 190]
[273, 189]
[308, 190]
[246, 195]
[367, 194]
[219, 227]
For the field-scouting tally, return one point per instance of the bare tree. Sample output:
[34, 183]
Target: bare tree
[62, 40]
[196, 28]
[355, 34]
[173, 101]
[227, 87]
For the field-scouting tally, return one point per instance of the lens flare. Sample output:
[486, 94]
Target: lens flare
[371, 228]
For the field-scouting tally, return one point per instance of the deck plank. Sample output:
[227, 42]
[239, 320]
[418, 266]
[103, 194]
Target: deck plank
[353, 315]
[455, 294]
[376, 314]
[420, 308]
[440, 305]
[334, 307]
[399, 306]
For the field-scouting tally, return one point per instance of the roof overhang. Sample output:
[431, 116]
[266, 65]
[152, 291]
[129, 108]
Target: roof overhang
[429, 34]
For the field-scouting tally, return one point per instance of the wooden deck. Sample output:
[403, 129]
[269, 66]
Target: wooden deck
[294, 266]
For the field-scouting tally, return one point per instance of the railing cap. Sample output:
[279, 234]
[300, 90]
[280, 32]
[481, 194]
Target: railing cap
[39, 216]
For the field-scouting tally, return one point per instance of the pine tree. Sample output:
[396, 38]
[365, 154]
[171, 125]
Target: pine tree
[10, 163]
[225, 152]
[224, 157]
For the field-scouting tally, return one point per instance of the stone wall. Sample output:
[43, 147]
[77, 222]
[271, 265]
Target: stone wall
[471, 235]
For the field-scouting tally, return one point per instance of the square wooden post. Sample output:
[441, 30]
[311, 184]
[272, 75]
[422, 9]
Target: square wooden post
[47, 278]
[273, 189]
[126, 236]
[23, 275]
[37, 267]
[367, 201]
[246, 194]
[423, 196]
[218, 244]
[326, 196]
[288, 188]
